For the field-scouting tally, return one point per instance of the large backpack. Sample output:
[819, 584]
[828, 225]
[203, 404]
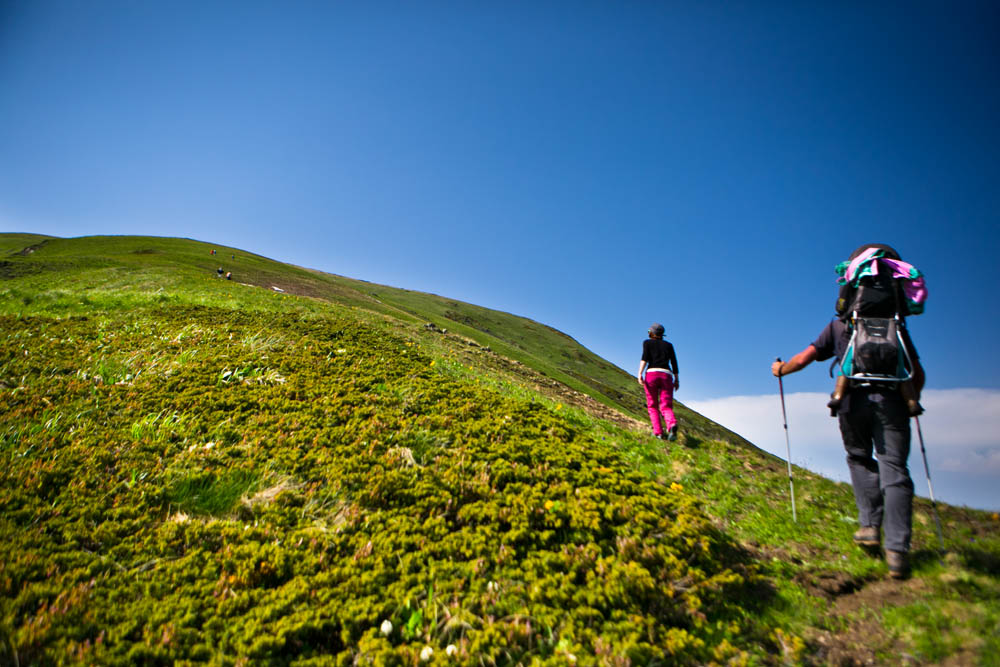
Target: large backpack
[875, 282]
[878, 290]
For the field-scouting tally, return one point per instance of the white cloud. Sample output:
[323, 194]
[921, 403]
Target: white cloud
[961, 430]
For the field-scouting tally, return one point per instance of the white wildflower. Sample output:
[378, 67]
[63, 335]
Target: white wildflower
[426, 653]
[451, 649]
[386, 627]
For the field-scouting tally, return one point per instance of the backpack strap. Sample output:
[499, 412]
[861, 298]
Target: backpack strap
[847, 363]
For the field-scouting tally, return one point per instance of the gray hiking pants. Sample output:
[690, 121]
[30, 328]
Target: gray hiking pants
[877, 419]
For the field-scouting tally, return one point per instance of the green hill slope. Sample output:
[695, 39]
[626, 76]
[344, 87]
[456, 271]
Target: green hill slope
[295, 468]
[142, 271]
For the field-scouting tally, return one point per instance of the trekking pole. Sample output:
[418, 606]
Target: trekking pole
[930, 488]
[788, 446]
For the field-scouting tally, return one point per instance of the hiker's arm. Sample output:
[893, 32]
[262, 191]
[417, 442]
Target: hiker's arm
[677, 372]
[918, 370]
[642, 369]
[918, 377]
[796, 363]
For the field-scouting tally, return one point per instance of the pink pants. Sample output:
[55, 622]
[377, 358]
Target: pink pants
[660, 400]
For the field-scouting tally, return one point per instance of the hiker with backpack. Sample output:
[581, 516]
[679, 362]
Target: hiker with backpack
[877, 390]
[658, 375]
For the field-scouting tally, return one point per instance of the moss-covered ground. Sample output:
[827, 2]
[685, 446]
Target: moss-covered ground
[206, 471]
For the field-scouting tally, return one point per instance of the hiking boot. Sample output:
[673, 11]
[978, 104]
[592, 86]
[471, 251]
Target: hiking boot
[672, 433]
[867, 536]
[899, 564]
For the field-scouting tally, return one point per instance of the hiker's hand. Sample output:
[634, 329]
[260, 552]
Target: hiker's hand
[776, 368]
[641, 383]
[677, 384]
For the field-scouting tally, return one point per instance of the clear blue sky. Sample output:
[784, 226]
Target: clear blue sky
[595, 166]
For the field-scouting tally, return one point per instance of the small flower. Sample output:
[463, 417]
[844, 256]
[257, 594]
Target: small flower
[426, 653]
[676, 487]
[386, 627]
[451, 649]
[559, 406]
[549, 504]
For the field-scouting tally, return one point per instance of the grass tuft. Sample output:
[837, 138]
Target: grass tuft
[210, 493]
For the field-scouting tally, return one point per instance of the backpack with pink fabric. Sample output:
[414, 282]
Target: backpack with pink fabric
[875, 282]
[878, 290]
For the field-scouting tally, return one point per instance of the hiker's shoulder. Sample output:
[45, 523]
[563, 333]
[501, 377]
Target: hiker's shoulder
[833, 329]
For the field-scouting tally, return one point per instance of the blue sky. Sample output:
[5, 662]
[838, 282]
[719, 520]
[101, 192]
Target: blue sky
[594, 166]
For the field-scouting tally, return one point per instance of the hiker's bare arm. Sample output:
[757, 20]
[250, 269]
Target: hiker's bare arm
[642, 367]
[796, 363]
[918, 378]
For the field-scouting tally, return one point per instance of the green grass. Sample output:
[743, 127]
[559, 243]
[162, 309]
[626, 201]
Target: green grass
[207, 493]
[200, 470]
[961, 615]
[14, 243]
[123, 273]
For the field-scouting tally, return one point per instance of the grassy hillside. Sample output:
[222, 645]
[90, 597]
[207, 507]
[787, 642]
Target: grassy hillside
[146, 271]
[200, 470]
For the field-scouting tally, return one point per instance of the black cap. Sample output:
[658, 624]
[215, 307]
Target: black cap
[656, 329]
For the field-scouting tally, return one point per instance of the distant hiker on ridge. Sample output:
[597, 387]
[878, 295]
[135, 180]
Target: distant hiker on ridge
[880, 378]
[659, 363]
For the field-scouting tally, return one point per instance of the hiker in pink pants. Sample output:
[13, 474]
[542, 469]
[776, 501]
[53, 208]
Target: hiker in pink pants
[659, 364]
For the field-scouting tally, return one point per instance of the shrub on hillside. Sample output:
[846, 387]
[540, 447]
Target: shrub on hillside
[197, 509]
